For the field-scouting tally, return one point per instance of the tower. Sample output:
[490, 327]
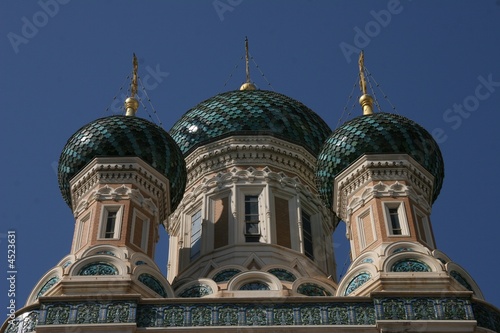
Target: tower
[380, 173]
[121, 176]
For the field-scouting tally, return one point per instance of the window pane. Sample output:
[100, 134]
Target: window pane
[252, 231]
[110, 225]
[395, 224]
[307, 233]
[195, 234]
[251, 208]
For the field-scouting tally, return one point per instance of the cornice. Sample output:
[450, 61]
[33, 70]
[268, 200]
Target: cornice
[85, 187]
[250, 151]
[383, 168]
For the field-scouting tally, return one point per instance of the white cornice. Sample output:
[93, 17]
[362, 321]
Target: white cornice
[120, 170]
[383, 167]
[250, 151]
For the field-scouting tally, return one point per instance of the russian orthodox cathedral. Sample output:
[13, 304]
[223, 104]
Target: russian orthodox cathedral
[250, 186]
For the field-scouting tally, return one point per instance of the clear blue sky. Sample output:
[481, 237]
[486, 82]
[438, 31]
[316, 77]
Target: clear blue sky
[61, 65]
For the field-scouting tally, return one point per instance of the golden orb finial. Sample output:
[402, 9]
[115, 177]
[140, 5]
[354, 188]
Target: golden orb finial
[248, 86]
[131, 103]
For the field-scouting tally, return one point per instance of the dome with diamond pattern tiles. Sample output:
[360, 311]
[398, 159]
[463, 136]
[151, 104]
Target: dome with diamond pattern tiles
[378, 133]
[123, 136]
[250, 112]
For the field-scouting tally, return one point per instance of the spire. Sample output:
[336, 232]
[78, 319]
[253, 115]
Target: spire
[248, 85]
[366, 101]
[131, 103]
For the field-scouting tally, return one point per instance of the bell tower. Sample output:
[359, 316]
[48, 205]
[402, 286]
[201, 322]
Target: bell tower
[121, 176]
[381, 173]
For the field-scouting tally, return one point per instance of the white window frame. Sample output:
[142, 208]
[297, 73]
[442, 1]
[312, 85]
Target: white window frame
[106, 209]
[145, 229]
[243, 191]
[403, 221]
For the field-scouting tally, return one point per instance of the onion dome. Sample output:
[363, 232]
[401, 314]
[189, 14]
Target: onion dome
[377, 133]
[250, 112]
[123, 136]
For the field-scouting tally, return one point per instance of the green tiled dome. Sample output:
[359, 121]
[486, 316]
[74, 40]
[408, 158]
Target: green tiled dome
[250, 112]
[379, 133]
[123, 136]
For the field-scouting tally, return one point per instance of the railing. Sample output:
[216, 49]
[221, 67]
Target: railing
[300, 311]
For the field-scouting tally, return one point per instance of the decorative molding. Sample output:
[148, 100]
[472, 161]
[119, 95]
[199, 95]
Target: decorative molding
[382, 168]
[250, 150]
[224, 181]
[130, 170]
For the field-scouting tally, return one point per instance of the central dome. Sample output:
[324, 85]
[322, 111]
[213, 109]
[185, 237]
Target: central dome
[250, 112]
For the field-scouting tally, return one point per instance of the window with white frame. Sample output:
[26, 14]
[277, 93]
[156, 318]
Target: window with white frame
[252, 218]
[196, 224]
[395, 217]
[111, 219]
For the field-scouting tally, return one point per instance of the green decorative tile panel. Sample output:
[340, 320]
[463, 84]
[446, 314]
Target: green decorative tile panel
[310, 315]
[121, 136]
[152, 283]
[357, 282]
[379, 133]
[255, 285]
[457, 276]
[88, 313]
[423, 309]
[49, 284]
[225, 275]
[410, 265]
[198, 290]
[98, 268]
[282, 274]
[312, 289]
[250, 112]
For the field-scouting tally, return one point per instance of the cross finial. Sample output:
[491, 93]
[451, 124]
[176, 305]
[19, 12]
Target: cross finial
[248, 85]
[362, 80]
[247, 60]
[131, 103]
[365, 100]
[133, 86]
